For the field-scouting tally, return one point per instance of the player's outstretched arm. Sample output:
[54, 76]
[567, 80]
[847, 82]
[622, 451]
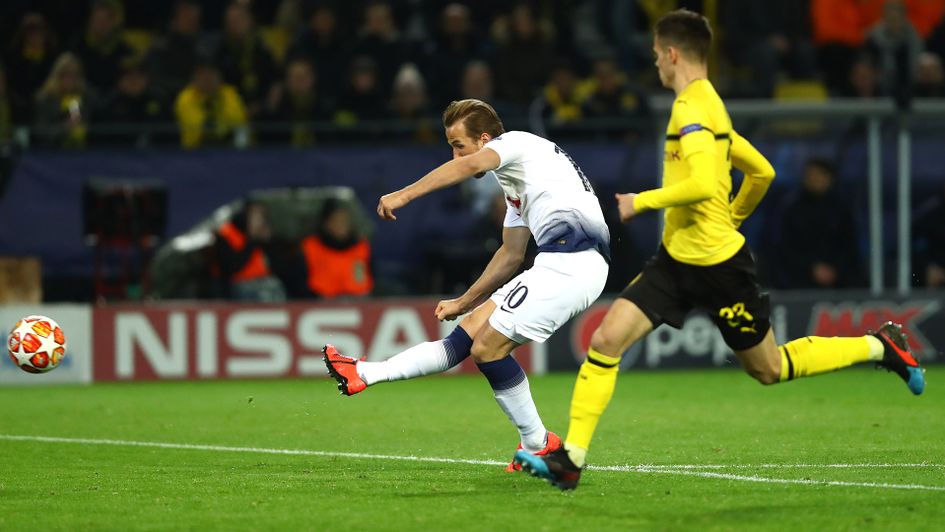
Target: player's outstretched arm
[758, 176]
[445, 175]
[506, 261]
[700, 152]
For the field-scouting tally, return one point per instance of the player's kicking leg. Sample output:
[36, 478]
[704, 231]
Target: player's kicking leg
[354, 375]
[506, 377]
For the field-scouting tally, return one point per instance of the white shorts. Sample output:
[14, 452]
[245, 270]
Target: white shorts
[537, 302]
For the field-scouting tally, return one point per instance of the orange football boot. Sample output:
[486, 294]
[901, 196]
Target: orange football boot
[344, 370]
[552, 443]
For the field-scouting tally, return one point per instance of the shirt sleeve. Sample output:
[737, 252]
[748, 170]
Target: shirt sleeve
[694, 133]
[698, 146]
[512, 216]
[758, 176]
[509, 146]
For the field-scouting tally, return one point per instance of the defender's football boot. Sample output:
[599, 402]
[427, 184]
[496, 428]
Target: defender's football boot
[552, 443]
[344, 370]
[898, 358]
[556, 467]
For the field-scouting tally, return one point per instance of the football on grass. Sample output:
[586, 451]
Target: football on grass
[37, 344]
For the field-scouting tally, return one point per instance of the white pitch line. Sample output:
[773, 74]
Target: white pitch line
[766, 480]
[686, 470]
[258, 450]
[867, 465]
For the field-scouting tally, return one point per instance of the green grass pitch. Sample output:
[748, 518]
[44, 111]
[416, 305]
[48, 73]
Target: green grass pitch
[756, 456]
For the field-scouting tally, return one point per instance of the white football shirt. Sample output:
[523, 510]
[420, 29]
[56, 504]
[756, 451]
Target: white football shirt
[547, 192]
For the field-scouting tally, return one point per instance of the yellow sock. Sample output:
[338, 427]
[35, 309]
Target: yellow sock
[813, 355]
[592, 391]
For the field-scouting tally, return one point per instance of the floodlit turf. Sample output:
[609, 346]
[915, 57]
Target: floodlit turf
[660, 419]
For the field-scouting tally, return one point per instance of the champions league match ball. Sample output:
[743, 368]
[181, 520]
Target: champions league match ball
[37, 344]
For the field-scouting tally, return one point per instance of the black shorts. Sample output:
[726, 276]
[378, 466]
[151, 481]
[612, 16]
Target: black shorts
[666, 290]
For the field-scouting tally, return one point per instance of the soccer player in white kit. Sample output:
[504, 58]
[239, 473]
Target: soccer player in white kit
[548, 197]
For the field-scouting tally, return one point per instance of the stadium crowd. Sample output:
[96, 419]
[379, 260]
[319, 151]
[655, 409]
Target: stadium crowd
[76, 72]
[204, 73]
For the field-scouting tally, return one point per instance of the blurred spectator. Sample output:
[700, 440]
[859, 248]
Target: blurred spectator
[33, 49]
[64, 105]
[455, 264]
[409, 102]
[134, 102]
[935, 42]
[244, 60]
[928, 231]
[13, 110]
[322, 43]
[525, 55]
[102, 48]
[818, 238]
[6, 111]
[242, 247]
[895, 47]
[208, 111]
[766, 38]
[611, 95]
[628, 27]
[289, 16]
[362, 98]
[562, 99]
[295, 104]
[337, 259]
[453, 45]
[863, 79]
[487, 233]
[839, 32]
[486, 238]
[173, 56]
[930, 77]
[477, 83]
[379, 39]
[926, 15]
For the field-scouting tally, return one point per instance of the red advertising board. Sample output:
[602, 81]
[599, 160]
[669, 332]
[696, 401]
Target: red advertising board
[207, 341]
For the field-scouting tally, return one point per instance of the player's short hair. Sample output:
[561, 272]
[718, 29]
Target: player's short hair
[478, 117]
[687, 30]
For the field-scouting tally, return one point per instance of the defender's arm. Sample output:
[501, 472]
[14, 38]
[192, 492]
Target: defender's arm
[699, 149]
[758, 176]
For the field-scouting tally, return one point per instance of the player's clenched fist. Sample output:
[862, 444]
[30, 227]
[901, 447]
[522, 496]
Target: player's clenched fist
[625, 206]
[387, 204]
[449, 309]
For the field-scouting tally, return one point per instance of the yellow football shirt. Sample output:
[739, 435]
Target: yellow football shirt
[700, 223]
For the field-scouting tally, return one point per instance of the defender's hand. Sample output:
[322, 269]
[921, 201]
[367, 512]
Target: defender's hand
[389, 202]
[450, 309]
[625, 206]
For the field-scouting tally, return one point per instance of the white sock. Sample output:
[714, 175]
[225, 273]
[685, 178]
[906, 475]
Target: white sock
[419, 360]
[517, 403]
